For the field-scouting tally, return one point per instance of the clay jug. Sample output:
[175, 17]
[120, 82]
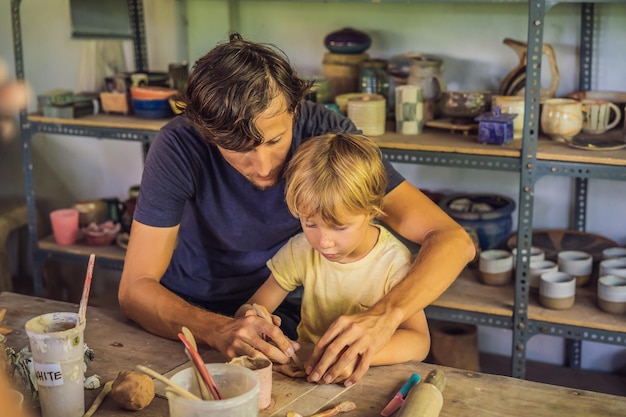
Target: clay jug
[515, 82]
[427, 72]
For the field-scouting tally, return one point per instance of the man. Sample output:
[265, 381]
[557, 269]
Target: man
[211, 212]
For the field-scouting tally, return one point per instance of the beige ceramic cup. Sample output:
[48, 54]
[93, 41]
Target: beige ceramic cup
[615, 252]
[612, 294]
[536, 255]
[495, 267]
[557, 290]
[613, 266]
[576, 263]
[597, 115]
[537, 269]
[514, 105]
[562, 118]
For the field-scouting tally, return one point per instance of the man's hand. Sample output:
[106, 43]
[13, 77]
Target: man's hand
[245, 336]
[348, 347]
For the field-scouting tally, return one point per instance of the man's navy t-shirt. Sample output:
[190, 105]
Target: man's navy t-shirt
[228, 227]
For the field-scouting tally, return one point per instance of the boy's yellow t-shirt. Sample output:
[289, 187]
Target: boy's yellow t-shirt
[332, 289]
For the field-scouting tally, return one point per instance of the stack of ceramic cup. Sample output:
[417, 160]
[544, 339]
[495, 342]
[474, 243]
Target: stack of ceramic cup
[612, 281]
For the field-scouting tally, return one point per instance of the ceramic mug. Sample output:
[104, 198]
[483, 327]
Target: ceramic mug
[557, 290]
[612, 294]
[562, 118]
[495, 267]
[576, 263]
[596, 115]
[512, 105]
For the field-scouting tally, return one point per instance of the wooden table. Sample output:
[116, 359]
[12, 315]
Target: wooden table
[119, 345]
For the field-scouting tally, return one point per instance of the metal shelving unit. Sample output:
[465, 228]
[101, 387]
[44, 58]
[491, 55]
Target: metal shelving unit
[532, 161]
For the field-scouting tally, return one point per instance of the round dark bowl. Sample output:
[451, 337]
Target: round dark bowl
[347, 41]
[465, 105]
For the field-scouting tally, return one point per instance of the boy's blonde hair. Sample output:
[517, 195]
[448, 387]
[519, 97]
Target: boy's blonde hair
[336, 175]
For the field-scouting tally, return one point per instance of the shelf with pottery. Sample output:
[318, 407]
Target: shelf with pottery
[103, 121]
[112, 253]
[436, 140]
[468, 294]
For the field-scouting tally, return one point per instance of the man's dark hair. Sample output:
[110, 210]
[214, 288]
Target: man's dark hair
[233, 84]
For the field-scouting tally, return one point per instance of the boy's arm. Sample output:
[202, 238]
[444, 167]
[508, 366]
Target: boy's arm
[410, 342]
[268, 296]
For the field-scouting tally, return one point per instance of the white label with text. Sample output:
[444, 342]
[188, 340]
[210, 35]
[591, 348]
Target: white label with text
[48, 374]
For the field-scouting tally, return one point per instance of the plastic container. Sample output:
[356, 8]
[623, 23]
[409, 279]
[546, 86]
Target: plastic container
[238, 385]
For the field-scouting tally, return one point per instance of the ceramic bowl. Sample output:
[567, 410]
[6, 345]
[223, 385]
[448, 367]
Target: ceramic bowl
[152, 108]
[151, 92]
[465, 105]
[101, 234]
[347, 41]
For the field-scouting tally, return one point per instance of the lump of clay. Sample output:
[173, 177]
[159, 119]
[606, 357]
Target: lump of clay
[132, 390]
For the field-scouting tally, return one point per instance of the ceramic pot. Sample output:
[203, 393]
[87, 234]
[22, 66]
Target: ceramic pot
[561, 118]
[347, 41]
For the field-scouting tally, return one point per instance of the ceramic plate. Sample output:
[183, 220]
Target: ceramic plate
[552, 241]
[596, 144]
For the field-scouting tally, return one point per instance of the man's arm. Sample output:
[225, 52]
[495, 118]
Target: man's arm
[143, 299]
[445, 250]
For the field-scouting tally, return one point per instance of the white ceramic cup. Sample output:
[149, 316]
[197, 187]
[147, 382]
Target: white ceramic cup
[597, 114]
[616, 252]
[538, 268]
[614, 266]
[612, 294]
[409, 110]
[576, 263]
[536, 254]
[495, 267]
[557, 290]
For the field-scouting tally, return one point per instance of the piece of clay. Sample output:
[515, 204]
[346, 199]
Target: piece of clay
[289, 369]
[132, 390]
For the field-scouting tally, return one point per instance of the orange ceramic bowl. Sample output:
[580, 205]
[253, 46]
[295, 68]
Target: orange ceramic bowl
[150, 92]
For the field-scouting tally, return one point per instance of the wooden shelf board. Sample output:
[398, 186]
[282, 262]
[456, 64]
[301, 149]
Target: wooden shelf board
[105, 121]
[431, 140]
[467, 293]
[81, 247]
[437, 140]
[584, 313]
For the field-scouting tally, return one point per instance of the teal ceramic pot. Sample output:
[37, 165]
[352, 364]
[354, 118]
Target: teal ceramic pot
[347, 41]
[489, 215]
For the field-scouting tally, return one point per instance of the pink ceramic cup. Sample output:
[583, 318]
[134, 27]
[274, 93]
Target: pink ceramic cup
[64, 226]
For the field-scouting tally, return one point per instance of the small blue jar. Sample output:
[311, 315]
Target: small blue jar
[495, 127]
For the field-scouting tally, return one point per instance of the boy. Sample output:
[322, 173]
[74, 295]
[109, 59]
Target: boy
[335, 185]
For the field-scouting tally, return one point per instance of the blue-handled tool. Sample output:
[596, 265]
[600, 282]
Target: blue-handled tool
[398, 399]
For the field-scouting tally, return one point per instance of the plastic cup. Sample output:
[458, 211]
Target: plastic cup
[65, 225]
[57, 346]
[239, 387]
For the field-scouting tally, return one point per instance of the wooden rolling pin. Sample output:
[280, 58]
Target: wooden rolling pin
[425, 399]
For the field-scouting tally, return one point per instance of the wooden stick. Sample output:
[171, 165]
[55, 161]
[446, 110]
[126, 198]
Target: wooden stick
[96, 403]
[177, 389]
[204, 390]
[82, 310]
[201, 367]
[259, 313]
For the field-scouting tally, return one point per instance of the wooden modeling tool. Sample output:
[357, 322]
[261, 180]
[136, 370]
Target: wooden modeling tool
[426, 399]
[174, 387]
[341, 408]
[82, 309]
[201, 367]
[204, 390]
[260, 313]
